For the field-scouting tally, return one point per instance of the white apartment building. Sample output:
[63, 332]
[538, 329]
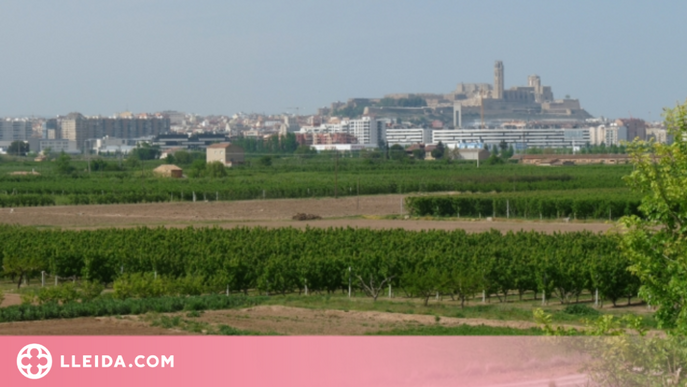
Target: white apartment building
[369, 132]
[659, 135]
[337, 147]
[325, 129]
[408, 136]
[607, 134]
[520, 138]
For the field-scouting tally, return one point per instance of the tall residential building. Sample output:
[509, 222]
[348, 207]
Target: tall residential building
[78, 128]
[369, 132]
[659, 135]
[608, 135]
[50, 130]
[498, 80]
[73, 127]
[635, 127]
[15, 130]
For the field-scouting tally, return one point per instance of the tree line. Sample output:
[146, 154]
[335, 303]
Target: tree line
[287, 260]
[580, 204]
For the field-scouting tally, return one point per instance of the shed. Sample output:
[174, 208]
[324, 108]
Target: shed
[168, 170]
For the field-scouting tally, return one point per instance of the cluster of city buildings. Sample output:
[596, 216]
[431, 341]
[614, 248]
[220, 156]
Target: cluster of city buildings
[370, 132]
[474, 113]
[75, 132]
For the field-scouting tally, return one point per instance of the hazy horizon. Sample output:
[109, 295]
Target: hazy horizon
[217, 57]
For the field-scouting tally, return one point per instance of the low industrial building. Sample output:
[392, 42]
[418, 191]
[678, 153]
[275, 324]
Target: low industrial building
[39, 145]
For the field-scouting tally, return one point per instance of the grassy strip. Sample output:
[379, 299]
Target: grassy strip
[461, 330]
[111, 307]
[512, 311]
[199, 327]
[494, 311]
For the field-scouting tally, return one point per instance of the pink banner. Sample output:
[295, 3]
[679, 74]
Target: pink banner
[287, 361]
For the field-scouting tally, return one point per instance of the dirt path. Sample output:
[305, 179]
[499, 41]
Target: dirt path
[302, 321]
[278, 319]
[266, 213]
[83, 326]
[10, 299]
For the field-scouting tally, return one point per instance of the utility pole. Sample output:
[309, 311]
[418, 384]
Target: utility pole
[88, 154]
[349, 282]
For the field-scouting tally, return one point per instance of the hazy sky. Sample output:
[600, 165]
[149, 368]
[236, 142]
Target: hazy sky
[220, 56]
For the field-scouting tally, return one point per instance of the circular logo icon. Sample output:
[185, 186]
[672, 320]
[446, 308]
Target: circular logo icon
[34, 361]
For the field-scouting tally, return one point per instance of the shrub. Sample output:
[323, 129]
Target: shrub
[141, 285]
[109, 306]
[581, 310]
[91, 290]
[191, 285]
[27, 298]
[63, 293]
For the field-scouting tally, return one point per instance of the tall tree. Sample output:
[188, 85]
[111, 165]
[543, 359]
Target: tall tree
[64, 164]
[18, 148]
[656, 243]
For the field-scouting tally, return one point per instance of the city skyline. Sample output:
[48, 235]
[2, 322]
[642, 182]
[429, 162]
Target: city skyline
[213, 57]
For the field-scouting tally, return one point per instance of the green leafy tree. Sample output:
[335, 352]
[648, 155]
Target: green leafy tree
[305, 151]
[183, 157]
[438, 152]
[424, 282]
[145, 151]
[265, 161]
[465, 280]
[215, 169]
[396, 152]
[24, 261]
[503, 146]
[18, 148]
[64, 164]
[656, 243]
[133, 161]
[198, 168]
[375, 270]
[494, 159]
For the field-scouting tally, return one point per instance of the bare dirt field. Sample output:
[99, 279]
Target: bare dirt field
[302, 321]
[273, 319]
[345, 212]
[10, 299]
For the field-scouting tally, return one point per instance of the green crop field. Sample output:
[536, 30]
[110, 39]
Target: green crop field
[289, 177]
